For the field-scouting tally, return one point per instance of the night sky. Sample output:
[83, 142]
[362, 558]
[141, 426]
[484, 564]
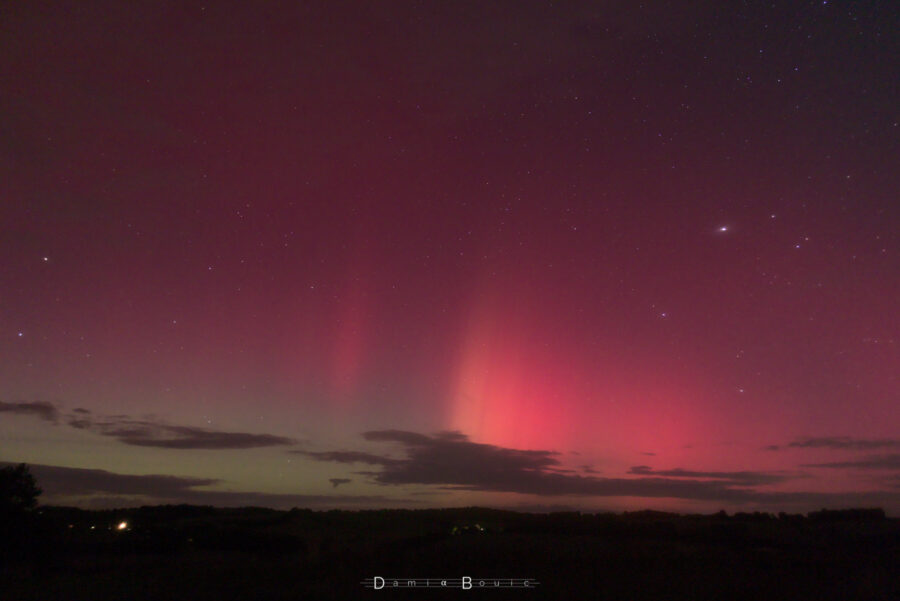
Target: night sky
[593, 255]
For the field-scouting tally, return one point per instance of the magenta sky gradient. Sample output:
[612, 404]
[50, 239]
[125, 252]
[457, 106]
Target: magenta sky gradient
[240, 236]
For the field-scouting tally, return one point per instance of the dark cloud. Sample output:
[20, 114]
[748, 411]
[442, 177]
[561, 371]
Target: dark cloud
[742, 478]
[79, 481]
[649, 454]
[148, 433]
[450, 458]
[100, 488]
[335, 482]
[407, 438]
[347, 457]
[846, 443]
[873, 462]
[451, 462]
[40, 409]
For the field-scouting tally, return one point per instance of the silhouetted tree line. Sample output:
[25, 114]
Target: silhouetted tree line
[18, 490]
[301, 553]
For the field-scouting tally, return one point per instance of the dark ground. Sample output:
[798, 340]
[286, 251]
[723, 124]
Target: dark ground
[200, 553]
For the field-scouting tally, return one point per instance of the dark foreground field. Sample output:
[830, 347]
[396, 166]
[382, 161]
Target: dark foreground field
[199, 553]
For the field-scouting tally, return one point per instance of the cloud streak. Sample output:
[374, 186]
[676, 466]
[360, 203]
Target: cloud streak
[148, 432]
[838, 443]
[876, 462]
[110, 489]
[743, 478]
[40, 409]
[347, 457]
[845, 443]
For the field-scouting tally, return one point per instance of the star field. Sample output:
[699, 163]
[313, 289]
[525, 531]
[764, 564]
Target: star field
[282, 248]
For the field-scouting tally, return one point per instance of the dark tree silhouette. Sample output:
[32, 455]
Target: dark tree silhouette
[18, 489]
